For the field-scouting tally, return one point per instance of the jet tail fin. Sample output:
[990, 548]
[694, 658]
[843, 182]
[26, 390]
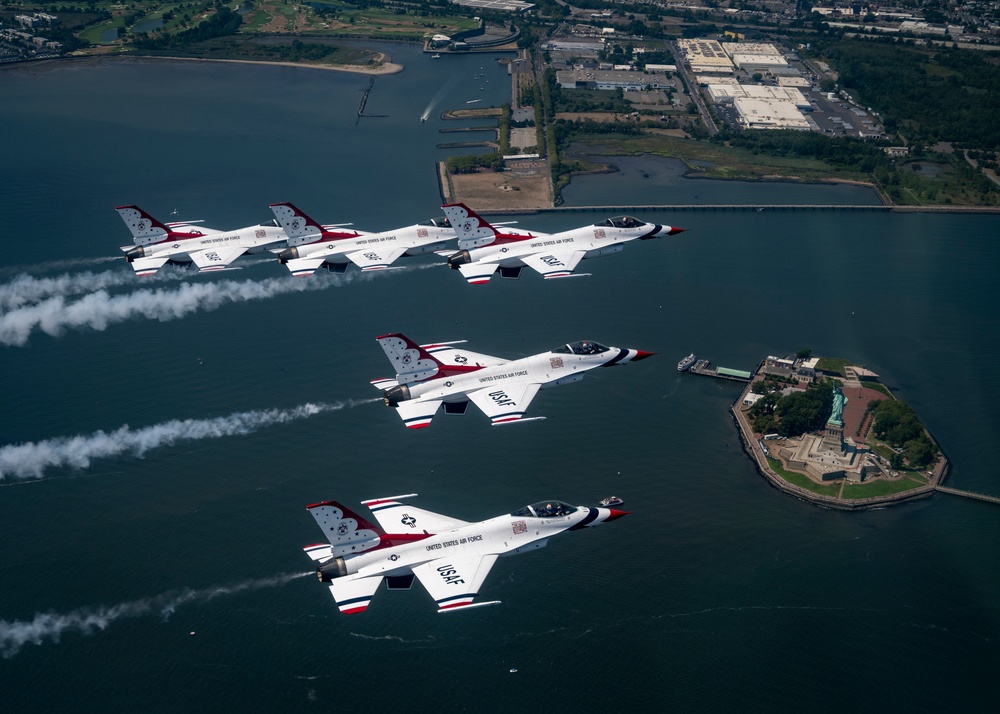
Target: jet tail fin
[346, 530]
[472, 230]
[411, 361]
[145, 229]
[299, 227]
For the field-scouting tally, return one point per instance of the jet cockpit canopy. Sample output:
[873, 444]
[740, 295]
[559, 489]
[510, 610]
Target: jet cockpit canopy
[545, 509]
[582, 347]
[620, 222]
[439, 222]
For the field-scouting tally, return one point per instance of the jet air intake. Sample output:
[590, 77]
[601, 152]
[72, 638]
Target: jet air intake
[397, 394]
[331, 569]
[460, 258]
[288, 254]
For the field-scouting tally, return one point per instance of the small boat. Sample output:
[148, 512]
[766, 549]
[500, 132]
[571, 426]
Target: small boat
[610, 501]
[473, 101]
[685, 364]
[436, 56]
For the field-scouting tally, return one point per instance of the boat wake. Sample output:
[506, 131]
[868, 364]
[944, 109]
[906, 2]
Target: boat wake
[447, 87]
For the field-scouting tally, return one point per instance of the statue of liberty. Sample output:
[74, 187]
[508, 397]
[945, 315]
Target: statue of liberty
[839, 401]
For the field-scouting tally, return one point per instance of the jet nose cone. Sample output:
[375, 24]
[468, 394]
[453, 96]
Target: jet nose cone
[642, 354]
[671, 230]
[615, 513]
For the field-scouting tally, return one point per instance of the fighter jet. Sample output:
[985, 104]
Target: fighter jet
[451, 558]
[157, 244]
[312, 245]
[484, 248]
[428, 376]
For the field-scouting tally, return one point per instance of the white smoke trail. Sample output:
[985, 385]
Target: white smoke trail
[27, 289]
[58, 265]
[99, 309]
[50, 626]
[30, 460]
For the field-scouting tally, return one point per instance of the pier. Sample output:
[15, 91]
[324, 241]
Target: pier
[364, 97]
[969, 494]
[704, 368]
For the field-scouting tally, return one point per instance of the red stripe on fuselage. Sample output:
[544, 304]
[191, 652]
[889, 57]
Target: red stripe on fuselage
[510, 238]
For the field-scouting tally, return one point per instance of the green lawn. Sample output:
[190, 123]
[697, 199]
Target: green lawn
[881, 487]
[727, 163]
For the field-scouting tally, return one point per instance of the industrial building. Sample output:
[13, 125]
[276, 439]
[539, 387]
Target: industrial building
[705, 56]
[611, 79]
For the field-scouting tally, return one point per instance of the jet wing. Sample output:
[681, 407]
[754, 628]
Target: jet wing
[554, 265]
[416, 414]
[216, 258]
[375, 258]
[353, 595]
[454, 582]
[478, 273]
[303, 267]
[504, 403]
[148, 266]
[396, 517]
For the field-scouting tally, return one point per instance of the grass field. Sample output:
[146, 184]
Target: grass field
[725, 162]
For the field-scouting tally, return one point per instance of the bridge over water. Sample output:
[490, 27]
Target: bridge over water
[755, 207]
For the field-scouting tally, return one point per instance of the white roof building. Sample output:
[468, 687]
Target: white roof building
[705, 56]
[769, 114]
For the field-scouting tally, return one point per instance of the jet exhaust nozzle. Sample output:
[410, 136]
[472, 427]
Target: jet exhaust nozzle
[135, 253]
[288, 254]
[462, 257]
[331, 569]
[397, 394]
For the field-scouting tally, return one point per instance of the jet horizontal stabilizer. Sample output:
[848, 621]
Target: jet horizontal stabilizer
[456, 608]
[517, 421]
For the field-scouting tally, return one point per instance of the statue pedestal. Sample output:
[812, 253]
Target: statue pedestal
[833, 441]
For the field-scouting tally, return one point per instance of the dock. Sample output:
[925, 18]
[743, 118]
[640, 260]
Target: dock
[704, 368]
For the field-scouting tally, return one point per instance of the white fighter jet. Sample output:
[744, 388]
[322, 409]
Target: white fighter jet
[428, 376]
[451, 558]
[158, 243]
[311, 245]
[483, 248]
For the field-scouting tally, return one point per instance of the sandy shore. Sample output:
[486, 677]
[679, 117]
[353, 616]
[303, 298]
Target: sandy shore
[382, 68]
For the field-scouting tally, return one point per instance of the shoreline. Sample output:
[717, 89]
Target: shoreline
[752, 448]
[384, 68]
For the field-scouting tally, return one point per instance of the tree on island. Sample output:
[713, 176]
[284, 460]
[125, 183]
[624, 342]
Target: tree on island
[794, 414]
[896, 423]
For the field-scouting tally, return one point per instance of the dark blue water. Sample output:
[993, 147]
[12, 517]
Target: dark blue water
[717, 593]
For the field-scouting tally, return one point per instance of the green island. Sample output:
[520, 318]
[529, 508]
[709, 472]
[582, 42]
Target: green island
[827, 431]
[905, 108]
